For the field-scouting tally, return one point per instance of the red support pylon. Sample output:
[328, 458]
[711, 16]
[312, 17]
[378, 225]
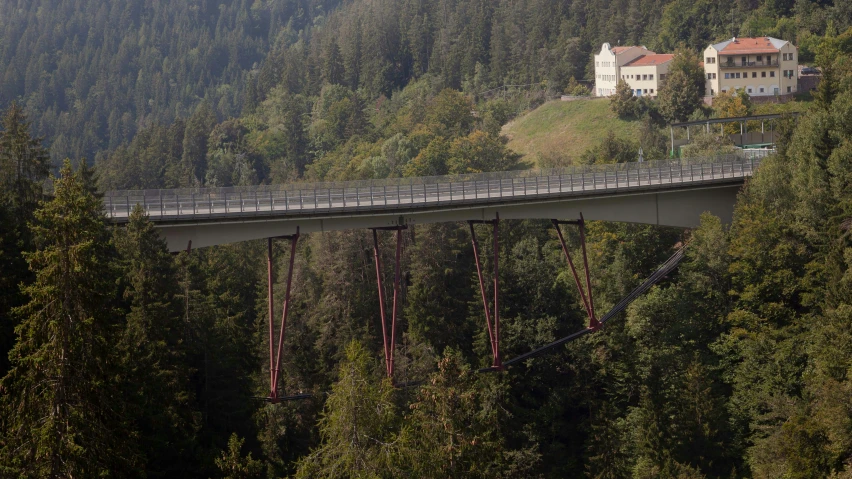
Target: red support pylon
[493, 329]
[275, 359]
[389, 341]
[585, 296]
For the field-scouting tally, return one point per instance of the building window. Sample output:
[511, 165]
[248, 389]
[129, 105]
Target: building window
[727, 76]
[652, 91]
[651, 77]
[749, 89]
[645, 90]
[754, 74]
[724, 91]
[772, 74]
[761, 89]
[763, 74]
[760, 58]
[644, 77]
[714, 76]
[712, 92]
[789, 89]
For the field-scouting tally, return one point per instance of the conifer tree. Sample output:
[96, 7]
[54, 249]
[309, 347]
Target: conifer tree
[623, 103]
[358, 426]
[152, 348]
[234, 466]
[23, 169]
[24, 163]
[62, 415]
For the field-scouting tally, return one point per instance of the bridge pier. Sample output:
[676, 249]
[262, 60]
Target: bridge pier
[275, 359]
[585, 296]
[388, 340]
[493, 329]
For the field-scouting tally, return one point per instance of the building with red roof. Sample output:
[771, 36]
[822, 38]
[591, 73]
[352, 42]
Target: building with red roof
[762, 66]
[645, 74]
[641, 68]
[608, 64]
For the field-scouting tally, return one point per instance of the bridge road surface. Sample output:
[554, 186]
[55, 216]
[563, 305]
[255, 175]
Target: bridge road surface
[672, 193]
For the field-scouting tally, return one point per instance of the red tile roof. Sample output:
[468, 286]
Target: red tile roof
[749, 45]
[618, 50]
[648, 60]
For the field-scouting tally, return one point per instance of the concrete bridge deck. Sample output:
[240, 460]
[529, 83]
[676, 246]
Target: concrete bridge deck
[672, 193]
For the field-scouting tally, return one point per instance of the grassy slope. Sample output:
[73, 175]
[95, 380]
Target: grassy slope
[565, 128]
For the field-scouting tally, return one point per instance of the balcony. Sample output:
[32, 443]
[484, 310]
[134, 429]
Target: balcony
[742, 64]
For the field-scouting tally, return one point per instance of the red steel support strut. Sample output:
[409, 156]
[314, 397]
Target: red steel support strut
[493, 330]
[594, 324]
[275, 360]
[271, 308]
[389, 341]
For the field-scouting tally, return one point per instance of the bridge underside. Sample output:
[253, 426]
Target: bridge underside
[678, 207]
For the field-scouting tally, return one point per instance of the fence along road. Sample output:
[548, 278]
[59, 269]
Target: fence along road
[677, 191]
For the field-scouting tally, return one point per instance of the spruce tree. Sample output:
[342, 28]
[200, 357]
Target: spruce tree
[23, 169]
[358, 426]
[24, 163]
[152, 348]
[62, 415]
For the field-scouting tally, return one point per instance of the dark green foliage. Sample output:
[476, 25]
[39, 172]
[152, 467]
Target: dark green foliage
[624, 103]
[23, 171]
[233, 465]
[678, 97]
[735, 366]
[153, 351]
[61, 404]
[95, 71]
[359, 425]
[24, 164]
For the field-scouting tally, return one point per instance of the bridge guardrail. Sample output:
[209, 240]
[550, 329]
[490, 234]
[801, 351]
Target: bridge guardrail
[192, 203]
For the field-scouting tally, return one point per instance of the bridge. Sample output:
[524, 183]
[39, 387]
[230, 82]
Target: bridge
[672, 193]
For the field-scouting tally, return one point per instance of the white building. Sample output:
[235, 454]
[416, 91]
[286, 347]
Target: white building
[608, 65]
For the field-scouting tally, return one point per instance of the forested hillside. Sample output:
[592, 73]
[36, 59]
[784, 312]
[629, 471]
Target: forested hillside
[93, 73]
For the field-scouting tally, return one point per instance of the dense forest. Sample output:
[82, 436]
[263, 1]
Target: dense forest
[120, 359]
[92, 74]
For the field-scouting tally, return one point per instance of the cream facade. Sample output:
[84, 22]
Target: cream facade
[762, 66]
[645, 74]
[608, 64]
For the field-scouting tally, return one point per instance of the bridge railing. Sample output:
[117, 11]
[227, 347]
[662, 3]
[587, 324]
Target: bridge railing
[307, 198]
